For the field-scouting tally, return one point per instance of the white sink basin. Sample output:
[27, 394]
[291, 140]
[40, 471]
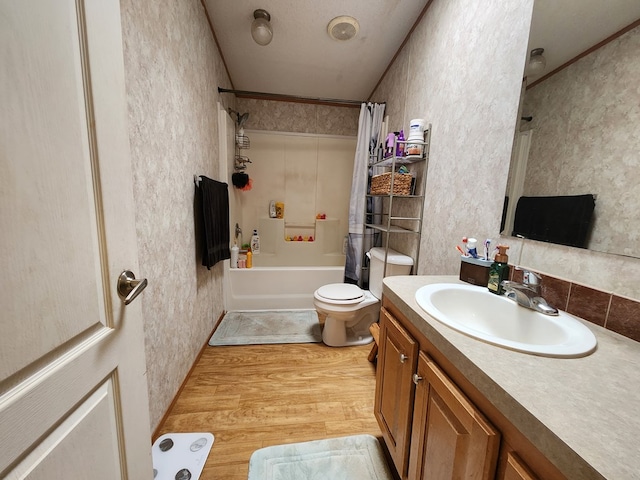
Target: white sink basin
[498, 320]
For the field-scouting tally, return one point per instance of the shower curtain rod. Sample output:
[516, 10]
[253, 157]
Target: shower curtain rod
[292, 98]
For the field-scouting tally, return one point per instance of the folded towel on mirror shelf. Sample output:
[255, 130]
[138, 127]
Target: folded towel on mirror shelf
[564, 220]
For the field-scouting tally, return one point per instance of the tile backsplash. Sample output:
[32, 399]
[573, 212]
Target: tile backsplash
[615, 313]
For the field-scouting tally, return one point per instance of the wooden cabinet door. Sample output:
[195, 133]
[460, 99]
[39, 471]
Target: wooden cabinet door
[516, 469]
[397, 357]
[450, 438]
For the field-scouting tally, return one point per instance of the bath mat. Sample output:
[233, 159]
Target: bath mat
[180, 455]
[258, 327]
[357, 457]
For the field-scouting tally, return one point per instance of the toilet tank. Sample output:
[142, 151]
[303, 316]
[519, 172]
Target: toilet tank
[397, 264]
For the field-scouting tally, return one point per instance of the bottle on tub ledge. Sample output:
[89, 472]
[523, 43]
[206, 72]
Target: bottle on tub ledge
[255, 243]
[234, 255]
[249, 261]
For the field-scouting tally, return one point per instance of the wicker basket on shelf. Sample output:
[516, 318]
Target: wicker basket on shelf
[381, 184]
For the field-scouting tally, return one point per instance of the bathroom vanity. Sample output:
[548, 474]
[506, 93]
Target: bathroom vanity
[451, 405]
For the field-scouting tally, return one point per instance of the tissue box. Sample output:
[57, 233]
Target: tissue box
[475, 270]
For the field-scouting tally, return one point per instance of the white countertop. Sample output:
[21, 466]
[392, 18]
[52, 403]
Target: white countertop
[581, 413]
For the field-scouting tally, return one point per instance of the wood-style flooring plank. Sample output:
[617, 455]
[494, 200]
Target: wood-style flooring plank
[255, 396]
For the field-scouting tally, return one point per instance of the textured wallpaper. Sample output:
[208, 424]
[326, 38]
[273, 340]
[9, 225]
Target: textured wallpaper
[586, 139]
[294, 117]
[172, 71]
[461, 70]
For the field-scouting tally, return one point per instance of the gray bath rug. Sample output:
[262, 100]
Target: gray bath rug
[259, 327]
[357, 457]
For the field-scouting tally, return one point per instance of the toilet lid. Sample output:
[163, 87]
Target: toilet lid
[343, 293]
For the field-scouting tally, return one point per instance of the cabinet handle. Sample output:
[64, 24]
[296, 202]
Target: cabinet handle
[416, 378]
[403, 358]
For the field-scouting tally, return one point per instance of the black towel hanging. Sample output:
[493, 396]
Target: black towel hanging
[564, 220]
[212, 198]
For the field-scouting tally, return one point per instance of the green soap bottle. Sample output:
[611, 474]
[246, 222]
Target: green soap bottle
[499, 270]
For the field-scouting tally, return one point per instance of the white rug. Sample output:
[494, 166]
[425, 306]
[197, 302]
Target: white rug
[180, 456]
[358, 457]
[259, 327]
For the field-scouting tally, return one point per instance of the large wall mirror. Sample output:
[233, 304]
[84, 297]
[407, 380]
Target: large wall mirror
[575, 173]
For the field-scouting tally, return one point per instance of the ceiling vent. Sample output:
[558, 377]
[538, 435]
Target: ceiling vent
[343, 28]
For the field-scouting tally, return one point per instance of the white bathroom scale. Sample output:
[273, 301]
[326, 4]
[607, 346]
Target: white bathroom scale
[180, 456]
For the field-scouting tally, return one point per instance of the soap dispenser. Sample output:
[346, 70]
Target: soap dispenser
[499, 270]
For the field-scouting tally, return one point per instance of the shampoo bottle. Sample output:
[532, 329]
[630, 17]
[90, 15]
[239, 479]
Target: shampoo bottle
[391, 138]
[234, 255]
[249, 262]
[400, 144]
[255, 243]
[499, 270]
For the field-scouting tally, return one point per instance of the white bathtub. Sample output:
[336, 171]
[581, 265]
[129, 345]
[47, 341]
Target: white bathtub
[275, 288]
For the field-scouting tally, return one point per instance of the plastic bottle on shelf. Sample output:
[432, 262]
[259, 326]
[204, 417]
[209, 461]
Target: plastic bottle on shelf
[416, 129]
[255, 243]
[414, 149]
[249, 262]
[391, 137]
[279, 210]
[400, 146]
[415, 145]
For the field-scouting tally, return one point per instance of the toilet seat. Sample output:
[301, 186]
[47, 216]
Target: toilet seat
[340, 294]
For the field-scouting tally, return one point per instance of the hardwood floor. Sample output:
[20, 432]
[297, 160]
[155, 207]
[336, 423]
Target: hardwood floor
[254, 396]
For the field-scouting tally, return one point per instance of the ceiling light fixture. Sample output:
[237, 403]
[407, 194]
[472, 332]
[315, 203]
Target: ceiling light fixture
[343, 28]
[537, 62]
[261, 28]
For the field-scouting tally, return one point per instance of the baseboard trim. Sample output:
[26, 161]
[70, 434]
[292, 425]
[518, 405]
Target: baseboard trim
[158, 429]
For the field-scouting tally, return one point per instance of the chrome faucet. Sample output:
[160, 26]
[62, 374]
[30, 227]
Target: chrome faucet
[238, 233]
[527, 293]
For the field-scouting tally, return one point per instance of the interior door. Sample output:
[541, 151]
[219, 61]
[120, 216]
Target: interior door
[73, 396]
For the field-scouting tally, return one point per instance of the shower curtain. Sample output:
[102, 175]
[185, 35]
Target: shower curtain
[371, 116]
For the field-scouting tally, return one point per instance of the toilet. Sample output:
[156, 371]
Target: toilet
[349, 310]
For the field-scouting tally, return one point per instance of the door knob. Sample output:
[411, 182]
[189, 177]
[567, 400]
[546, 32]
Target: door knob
[403, 358]
[416, 378]
[128, 287]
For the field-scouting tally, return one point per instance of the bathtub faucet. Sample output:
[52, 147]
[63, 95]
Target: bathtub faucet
[238, 232]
